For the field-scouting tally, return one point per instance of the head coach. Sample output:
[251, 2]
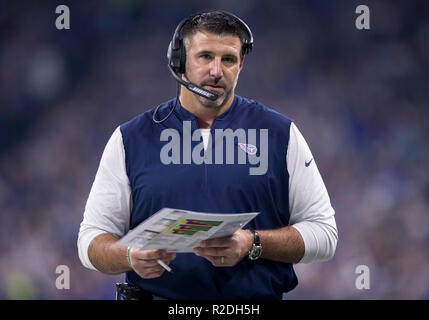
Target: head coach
[296, 223]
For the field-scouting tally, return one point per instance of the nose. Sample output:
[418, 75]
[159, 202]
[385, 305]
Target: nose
[216, 68]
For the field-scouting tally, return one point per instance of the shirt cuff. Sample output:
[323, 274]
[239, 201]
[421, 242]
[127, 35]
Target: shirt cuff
[320, 240]
[83, 242]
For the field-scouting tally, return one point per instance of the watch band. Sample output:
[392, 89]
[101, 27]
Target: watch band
[256, 250]
[256, 239]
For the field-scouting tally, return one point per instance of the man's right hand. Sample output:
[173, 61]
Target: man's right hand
[144, 261]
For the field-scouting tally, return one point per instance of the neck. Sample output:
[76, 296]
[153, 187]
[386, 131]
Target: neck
[204, 114]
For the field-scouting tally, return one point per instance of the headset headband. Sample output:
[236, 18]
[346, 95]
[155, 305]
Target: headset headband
[176, 50]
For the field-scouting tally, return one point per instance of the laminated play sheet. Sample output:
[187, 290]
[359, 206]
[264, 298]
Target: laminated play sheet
[181, 230]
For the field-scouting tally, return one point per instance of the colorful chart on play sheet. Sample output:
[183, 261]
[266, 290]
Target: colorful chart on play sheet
[182, 230]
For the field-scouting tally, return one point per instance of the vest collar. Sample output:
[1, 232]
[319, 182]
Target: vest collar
[184, 114]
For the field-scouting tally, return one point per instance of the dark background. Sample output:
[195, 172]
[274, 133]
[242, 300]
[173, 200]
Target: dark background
[360, 97]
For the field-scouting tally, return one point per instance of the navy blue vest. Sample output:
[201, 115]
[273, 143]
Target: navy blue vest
[213, 188]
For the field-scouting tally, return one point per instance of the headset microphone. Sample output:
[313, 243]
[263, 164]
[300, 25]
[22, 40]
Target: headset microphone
[194, 88]
[190, 86]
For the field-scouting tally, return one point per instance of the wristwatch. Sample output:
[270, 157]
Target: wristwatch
[256, 250]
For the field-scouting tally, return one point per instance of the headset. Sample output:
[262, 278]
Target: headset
[176, 55]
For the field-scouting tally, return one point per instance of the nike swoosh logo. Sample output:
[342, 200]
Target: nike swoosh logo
[308, 163]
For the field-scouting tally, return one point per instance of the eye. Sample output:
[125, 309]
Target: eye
[205, 56]
[229, 59]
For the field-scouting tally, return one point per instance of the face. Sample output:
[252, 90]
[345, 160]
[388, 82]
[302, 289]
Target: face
[213, 62]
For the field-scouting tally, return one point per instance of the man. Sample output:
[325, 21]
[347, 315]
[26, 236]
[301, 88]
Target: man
[296, 221]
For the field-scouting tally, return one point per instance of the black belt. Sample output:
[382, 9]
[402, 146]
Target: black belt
[126, 291]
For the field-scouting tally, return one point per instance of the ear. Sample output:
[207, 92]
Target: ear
[241, 62]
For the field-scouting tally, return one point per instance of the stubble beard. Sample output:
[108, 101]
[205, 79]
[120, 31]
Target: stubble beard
[220, 101]
[216, 104]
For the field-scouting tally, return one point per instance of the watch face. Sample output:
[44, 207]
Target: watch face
[255, 253]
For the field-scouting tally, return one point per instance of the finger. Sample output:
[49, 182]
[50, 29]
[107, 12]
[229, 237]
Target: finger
[168, 259]
[144, 264]
[154, 275]
[147, 254]
[218, 261]
[144, 270]
[150, 274]
[156, 269]
[217, 242]
[215, 251]
[170, 255]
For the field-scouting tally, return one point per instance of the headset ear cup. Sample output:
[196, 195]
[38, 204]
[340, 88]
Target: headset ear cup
[169, 55]
[182, 58]
[247, 48]
[176, 56]
[173, 56]
[244, 49]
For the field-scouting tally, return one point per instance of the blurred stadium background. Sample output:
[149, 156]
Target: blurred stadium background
[359, 97]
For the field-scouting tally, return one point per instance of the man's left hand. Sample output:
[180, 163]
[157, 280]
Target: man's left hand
[226, 251]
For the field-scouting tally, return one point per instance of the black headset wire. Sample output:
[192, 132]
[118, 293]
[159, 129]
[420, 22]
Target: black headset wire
[172, 109]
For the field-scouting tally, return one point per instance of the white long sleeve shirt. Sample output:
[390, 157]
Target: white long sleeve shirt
[109, 203]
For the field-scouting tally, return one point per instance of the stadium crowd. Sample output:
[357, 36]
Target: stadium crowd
[358, 96]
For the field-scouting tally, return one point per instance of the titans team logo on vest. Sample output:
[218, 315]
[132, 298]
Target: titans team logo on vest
[248, 148]
[179, 150]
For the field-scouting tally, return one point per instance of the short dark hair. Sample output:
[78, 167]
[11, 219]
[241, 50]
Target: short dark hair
[216, 22]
